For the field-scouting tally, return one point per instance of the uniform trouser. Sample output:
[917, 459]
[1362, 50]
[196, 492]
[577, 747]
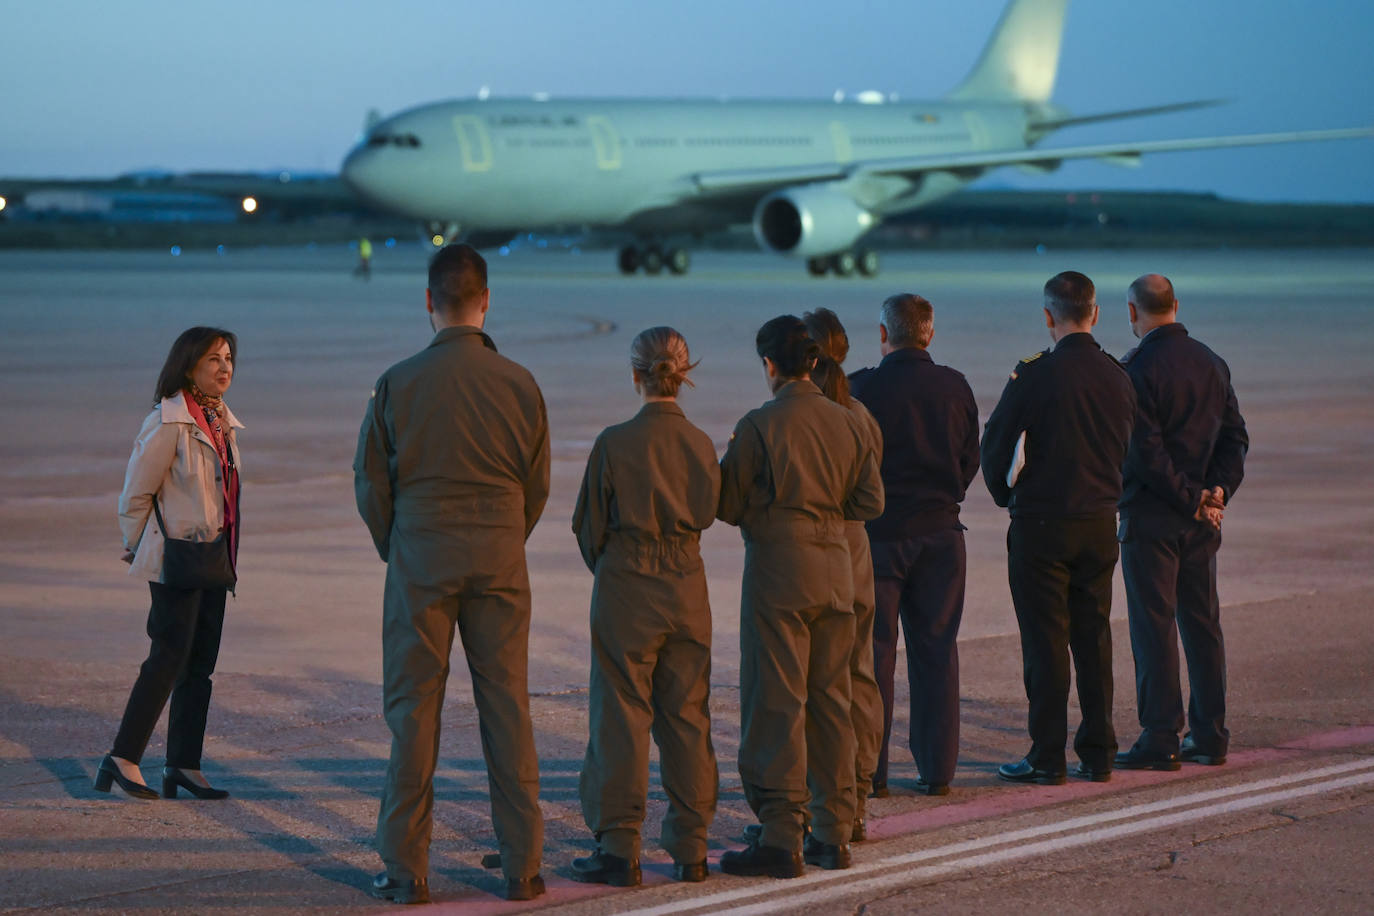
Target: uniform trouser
[795, 722]
[185, 627]
[1060, 572]
[650, 675]
[920, 580]
[1171, 591]
[866, 700]
[493, 622]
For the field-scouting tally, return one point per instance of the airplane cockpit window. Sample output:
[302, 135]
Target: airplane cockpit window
[404, 140]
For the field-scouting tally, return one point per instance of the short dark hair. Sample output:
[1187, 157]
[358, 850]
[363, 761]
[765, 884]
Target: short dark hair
[909, 319]
[1071, 297]
[457, 276]
[1154, 297]
[784, 341]
[185, 353]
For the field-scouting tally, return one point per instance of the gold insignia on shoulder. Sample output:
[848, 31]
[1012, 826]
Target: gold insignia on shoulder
[1033, 357]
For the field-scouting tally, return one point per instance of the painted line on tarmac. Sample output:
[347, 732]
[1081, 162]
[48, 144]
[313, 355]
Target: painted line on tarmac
[1137, 819]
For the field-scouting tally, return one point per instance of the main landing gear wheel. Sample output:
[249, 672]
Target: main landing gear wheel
[867, 260]
[652, 259]
[844, 264]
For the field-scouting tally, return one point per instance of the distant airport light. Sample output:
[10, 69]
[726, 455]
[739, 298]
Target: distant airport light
[250, 205]
[438, 241]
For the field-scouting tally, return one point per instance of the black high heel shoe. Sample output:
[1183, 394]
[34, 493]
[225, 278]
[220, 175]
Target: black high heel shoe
[173, 778]
[108, 772]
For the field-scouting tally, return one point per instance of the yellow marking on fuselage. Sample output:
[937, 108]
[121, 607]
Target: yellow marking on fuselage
[473, 142]
[606, 141]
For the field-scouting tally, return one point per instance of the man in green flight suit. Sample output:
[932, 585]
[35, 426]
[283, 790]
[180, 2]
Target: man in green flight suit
[451, 474]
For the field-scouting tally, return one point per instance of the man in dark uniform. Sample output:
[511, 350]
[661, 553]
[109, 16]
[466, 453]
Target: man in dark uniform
[1052, 453]
[1186, 460]
[929, 423]
[451, 474]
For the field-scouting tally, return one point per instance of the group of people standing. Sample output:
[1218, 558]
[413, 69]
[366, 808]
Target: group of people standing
[847, 491]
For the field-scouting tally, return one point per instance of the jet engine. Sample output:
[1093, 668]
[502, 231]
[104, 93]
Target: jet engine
[810, 220]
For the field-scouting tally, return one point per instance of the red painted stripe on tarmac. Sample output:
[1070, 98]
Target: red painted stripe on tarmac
[1018, 799]
[1014, 800]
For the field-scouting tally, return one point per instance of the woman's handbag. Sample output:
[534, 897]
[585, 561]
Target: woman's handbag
[195, 564]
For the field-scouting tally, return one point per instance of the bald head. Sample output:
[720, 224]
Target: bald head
[1151, 303]
[1153, 294]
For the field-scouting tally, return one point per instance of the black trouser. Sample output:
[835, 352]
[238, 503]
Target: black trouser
[1060, 572]
[1171, 591]
[920, 581]
[185, 629]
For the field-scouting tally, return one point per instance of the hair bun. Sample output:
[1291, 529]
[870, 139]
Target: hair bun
[662, 368]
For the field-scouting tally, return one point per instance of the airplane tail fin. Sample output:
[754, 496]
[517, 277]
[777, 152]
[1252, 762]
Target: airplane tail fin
[1021, 58]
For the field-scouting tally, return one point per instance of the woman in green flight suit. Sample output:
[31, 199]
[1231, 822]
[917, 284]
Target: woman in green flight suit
[795, 470]
[651, 486]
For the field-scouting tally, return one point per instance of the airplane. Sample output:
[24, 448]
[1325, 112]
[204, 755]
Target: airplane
[811, 177]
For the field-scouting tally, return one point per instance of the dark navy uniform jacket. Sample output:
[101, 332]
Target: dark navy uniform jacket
[929, 422]
[1189, 434]
[1077, 407]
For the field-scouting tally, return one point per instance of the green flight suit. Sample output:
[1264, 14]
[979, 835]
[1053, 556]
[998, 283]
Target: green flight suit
[451, 473]
[795, 470]
[651, 486]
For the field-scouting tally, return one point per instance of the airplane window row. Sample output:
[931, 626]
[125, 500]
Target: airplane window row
[749, 141]
[407, 140]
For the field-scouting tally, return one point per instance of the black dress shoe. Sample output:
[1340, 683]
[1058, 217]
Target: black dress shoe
[925, 788]
[1022, 771]
[757, 859]
[879, 789]
[385, 887]
[108, 772]
[524, 888]
[690, 871]
[830, 856]
[1139, 758]
[173, 778]
[604, 868]
[1093, 774]
[1193, 754]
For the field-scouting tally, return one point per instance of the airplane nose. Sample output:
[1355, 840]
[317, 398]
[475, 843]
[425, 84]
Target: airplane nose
[358, 170]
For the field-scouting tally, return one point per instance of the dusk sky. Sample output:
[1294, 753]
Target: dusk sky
[95, 89]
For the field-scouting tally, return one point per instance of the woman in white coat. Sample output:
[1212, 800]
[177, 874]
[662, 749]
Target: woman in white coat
[184, 468]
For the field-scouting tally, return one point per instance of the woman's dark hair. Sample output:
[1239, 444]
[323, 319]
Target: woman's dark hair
[826, 330]
[784, 341]
[185, 353]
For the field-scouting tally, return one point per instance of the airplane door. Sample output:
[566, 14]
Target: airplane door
[839, 137]
[977, 130]
[606, 141]
[473, 143]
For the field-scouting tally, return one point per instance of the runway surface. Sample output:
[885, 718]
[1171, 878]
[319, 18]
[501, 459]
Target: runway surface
[296, 730]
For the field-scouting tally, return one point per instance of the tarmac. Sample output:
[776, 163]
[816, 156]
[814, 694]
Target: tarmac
[296, 732]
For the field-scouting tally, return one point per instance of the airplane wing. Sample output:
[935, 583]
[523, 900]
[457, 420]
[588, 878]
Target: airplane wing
[972, 163]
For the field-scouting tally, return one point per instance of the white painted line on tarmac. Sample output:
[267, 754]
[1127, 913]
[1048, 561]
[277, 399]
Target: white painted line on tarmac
[784, 894]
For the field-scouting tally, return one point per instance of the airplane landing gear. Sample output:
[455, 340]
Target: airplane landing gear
[653, 259]
[844, 263]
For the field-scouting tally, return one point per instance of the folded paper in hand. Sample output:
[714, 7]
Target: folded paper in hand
[1018, 460]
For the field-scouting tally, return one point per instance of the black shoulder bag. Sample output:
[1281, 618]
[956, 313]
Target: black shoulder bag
[195, 564]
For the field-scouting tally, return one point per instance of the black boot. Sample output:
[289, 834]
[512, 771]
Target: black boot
[604, 868]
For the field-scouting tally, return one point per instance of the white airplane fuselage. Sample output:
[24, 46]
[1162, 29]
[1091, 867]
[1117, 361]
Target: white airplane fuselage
[522, 164]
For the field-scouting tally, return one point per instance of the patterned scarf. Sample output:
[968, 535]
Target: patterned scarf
[213, 408]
